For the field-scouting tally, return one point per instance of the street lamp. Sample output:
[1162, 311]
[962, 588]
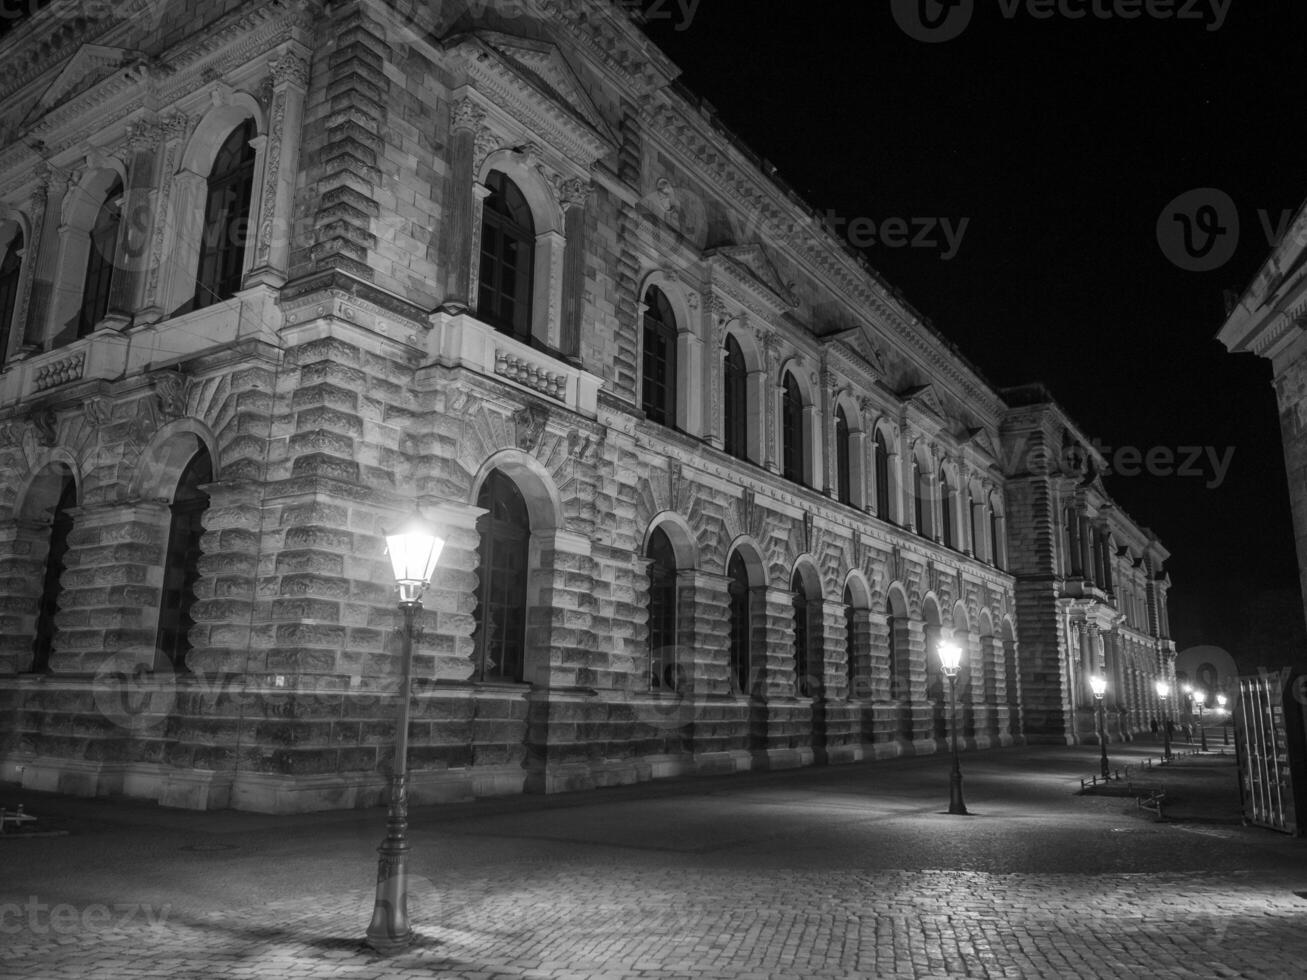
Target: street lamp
[1099, 684]
[1221, 701]
[1189, 694]
[950, 659]
[1163, 692]
[1200, 699]
[413, 552]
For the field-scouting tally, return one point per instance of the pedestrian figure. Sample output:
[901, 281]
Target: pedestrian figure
[1153, 725]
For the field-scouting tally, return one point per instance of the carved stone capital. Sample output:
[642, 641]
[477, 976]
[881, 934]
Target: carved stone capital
[466, 115]
[290, 69]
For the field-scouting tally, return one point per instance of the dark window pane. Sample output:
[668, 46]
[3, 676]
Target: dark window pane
[101, 261]
[792, 431]
[844, 483]
[882, 478]
[11, 269]
[226, 220]
[659, 387]
[502, 581]
[507, 258]
[736, 404]
[61, 527]
[181, 570]
[740, 622]
[663, 666]
[803, 682]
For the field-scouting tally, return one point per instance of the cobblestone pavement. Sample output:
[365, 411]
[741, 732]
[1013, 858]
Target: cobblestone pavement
[797, 881]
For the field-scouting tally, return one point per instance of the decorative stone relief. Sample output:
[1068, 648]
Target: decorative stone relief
[530, 423]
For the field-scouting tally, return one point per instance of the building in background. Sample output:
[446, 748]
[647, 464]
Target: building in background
[276, 273]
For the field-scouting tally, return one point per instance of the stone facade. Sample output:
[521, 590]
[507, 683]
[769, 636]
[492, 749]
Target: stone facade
[1268, 321]
[855, 496]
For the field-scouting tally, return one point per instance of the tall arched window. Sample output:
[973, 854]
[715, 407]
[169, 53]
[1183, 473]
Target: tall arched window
[659, 367]
[505, 531]
[945, 510]
[995, 536]
[508, 241]
[918, 496]
[735, 398]
[843, 476]
[181, 568]
[101, 261]
[882, 478]
[792, 449]
[11, 269]
[664, 670]
[851, 642]
[741, 626]
[971, 517]
[226, 219]
[61, 526]
[802, 678]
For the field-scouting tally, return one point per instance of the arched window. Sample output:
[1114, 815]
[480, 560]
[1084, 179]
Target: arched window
[61, 526]
[792, 449]
[11, 268]
[1074, 562]
[505, 531]
[659, 370]
[508, 240]
[664, 670]
[740, 622]
[945, 510]
[843, 477]
[918, 496]
[181, 568]
[226, 220]
[971, 517]
[802, 679]
[101, 261]
[851, 641]
[735, 397]
[882, 478]
[995, 538]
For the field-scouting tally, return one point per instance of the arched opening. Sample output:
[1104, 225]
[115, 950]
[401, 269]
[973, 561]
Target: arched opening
[11, 274]
[501, 595]
[735, 400]
[181, 568]
[226, 229]
[997, 552]
[508, 238]
[61, 526]
[851, 643]
[101, 260]
[919, 497]
[792, 441]
[658, 389]
[882, 478]
[808, 678]
[843, 458]
[665, 671]
[737, 575]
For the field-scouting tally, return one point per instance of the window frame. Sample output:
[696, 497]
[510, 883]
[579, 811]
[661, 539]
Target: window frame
[659, 327]
[510, 538]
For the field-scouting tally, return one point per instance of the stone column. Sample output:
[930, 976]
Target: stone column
[918, 717]
[466, 117]
[558, 617]
[157, 276]
[139, 214]
[275, 207]
[574, 195]
[13, 335]
[772, 391]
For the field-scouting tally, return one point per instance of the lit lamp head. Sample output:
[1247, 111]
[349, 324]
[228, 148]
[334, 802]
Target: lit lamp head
[1188, 689]
[414, 551]
[1163, 690]
[950, 658]
[1200, 698]
[1099, 684]
[1221, 701]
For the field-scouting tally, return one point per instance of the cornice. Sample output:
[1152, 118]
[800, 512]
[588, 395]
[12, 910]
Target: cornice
[790, 224]
[605, 34]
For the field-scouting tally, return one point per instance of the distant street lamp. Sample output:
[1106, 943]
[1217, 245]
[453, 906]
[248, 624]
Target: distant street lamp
[413, 556]
[950, 659]
[1221, 701]
[1200, 699]
[1099, 684]
[1188, 731]
[1163, 692]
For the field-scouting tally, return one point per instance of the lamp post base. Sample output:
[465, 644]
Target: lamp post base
[955, 804]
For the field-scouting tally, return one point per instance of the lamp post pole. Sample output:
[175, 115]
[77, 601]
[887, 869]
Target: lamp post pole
[1225, 719]
[413, 555]
[1163, 690]
[950, 656]
[1099, 685]
[389, 929]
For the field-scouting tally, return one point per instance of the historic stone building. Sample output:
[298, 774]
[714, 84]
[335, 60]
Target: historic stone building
[1268, 321]
[275, 274]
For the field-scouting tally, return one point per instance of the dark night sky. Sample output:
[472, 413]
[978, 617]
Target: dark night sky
[1062, 141]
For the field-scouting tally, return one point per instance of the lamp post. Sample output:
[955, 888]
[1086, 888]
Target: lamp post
[1221, 701]
[950, 659]
[413, 552]
[1099, 684]
[1189, 696]
[1200, 699]
[1163, 692]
